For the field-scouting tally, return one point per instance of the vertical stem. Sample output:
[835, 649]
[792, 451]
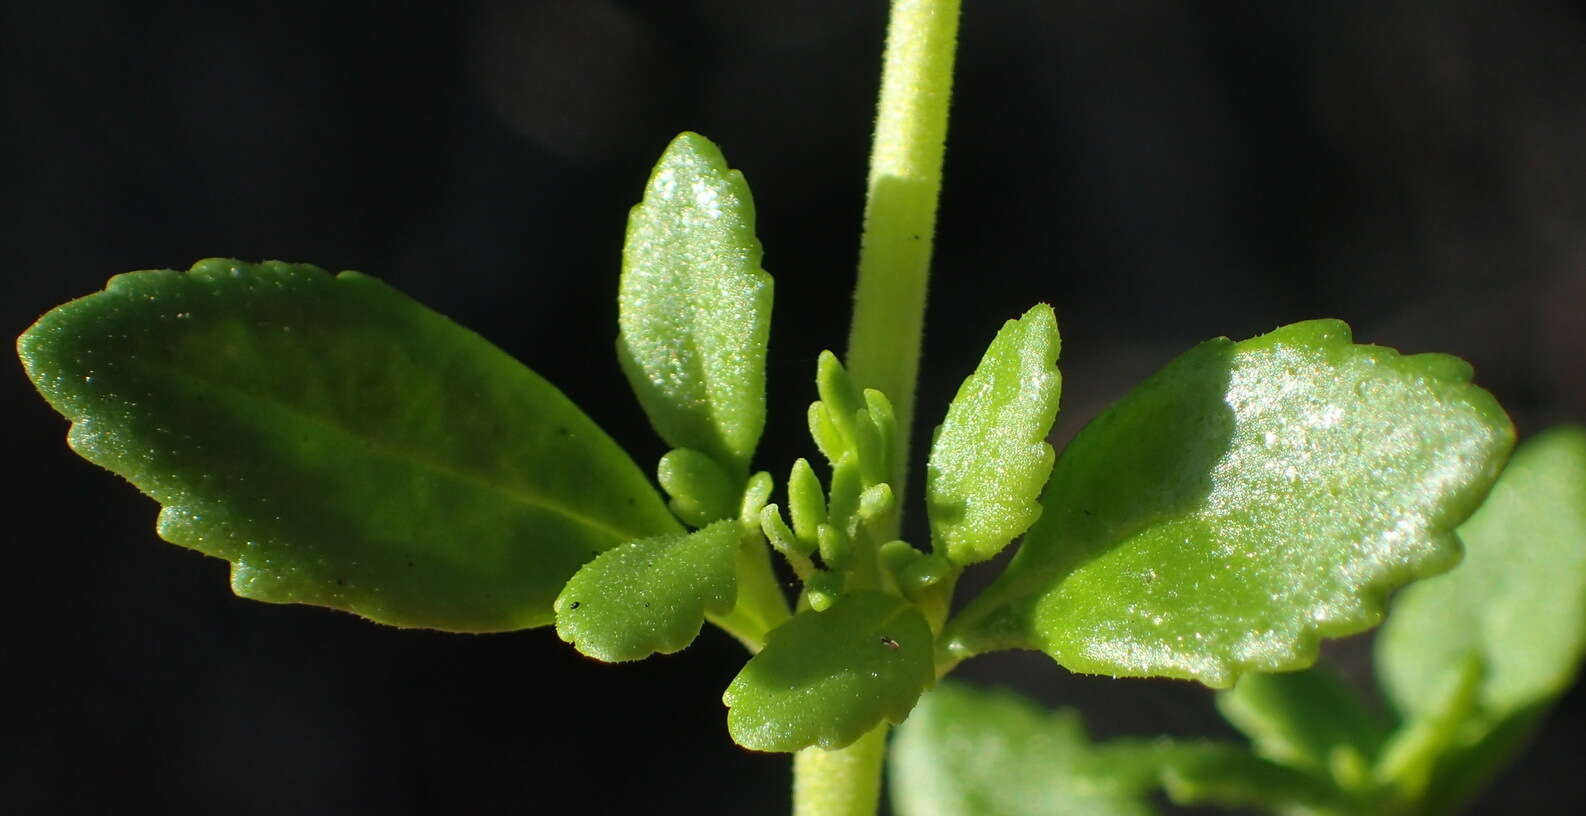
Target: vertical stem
[889, 311]
[846, 782]
[900, 209]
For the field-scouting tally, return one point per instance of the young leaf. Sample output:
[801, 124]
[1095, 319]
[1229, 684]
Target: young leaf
[1309, 720]
[1245, 501]
[694, 305]
[649, 596]
[1518, 601]
[827, 678]
[701, 490]
[966, 752]
[990, 459]
[340, 444]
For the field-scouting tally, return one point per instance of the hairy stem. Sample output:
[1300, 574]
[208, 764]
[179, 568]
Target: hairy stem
[889, 312]
[900, 209]
[846, 782]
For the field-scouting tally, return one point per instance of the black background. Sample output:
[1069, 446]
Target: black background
[1160, 171]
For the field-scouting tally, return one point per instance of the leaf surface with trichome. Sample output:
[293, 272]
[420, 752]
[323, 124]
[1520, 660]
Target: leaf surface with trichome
[990, 458]
[1242, 503]
[1510, 622]
[649, 596]
[694, 307]
[1518, 601]
[827, 678]
[339, 443]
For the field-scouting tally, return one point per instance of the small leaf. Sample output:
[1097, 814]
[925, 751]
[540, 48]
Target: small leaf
[650, 596]
[966, 752]
[1308, 720]
[1518, 601]
[694, 305]
[701, 491]
[806, 502]
[827, 678]
[990, 459]
[340, 444]
[1245, 501]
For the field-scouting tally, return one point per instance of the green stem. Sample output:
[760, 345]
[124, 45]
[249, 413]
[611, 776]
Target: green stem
[889, 312]
[761, 605]
[846, 782]
[900, 209]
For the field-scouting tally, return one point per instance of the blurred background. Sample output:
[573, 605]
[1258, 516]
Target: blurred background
[1161, 171]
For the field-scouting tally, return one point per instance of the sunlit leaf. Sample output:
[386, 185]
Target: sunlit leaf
[340, 444]
[694, 305]
[1518, 601]
[827, 678]
[1514, 613]
[1242, 503]
[649, 596]
[990, 458]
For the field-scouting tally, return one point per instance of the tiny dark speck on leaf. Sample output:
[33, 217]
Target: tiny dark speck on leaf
[646, 604]
[341, 582]
[561, 430]
[574, 605]
[889, 643]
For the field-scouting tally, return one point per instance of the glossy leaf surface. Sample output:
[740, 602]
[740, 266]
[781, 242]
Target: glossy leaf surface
[694, 305]
[650, 596]
[967, 752]
[1518, 602]
[1245, 501]
[339, 443]
[989, 459]
[827, 678]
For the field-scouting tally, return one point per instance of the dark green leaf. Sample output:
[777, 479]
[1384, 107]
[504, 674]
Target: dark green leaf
[1245, 501]
[649, 596]
[827, 678]
[340, 444]
[989, 459]
[1309, 720]
[694, 305]
[965, 752]
[1518, 601]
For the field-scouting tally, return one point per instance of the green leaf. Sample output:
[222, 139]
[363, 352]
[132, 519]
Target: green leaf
[1515, 609]
[990, 459]
[1518, 602]
[701, 491]
[827, 678]
[340, 444]
[1232, 777]
[1311, 720]
[650, 596]
[1245, 501]
[694, 305]
[967, 752]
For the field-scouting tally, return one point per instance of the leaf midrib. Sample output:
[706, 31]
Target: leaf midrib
[377, 446]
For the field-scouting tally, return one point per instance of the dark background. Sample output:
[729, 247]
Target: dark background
[1160, 171]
